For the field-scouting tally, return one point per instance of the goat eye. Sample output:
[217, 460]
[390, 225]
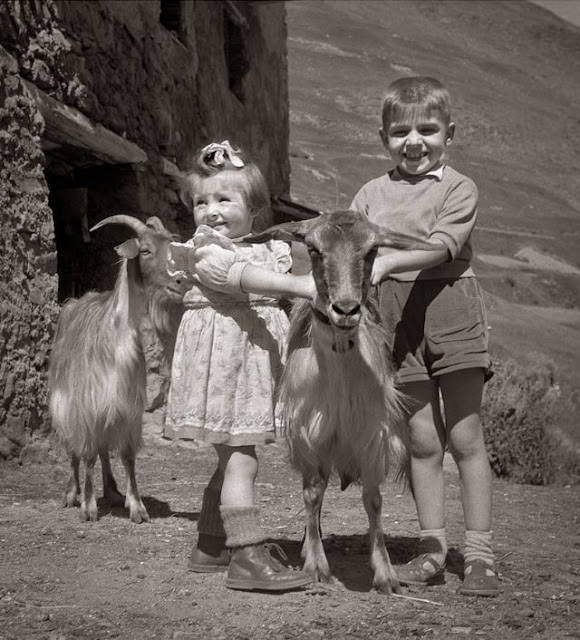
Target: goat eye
[144, 251]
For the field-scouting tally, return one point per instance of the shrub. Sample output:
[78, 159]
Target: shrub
[520, 413]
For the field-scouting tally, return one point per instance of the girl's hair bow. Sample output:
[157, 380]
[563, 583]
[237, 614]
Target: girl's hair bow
[217, 153]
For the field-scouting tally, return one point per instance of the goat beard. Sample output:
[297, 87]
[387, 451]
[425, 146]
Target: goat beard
[343, 340]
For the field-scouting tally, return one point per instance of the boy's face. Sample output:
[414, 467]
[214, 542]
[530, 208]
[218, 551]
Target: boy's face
[417, 144]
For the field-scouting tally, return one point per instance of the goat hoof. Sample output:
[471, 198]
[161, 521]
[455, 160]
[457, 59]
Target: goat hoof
[70, 500]
[139, 515]
[88, 514]
[387, 588]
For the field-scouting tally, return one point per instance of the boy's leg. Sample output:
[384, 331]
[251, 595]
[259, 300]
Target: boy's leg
[251, 566]
[427, 435]
[462, 392]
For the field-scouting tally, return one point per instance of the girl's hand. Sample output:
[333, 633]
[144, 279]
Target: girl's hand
[214, 266]
[205, 235]
[309, 286]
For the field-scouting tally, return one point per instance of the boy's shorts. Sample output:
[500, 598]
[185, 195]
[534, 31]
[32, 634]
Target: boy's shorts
[439, 326]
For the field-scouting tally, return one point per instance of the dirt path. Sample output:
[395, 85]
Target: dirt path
[62, 579]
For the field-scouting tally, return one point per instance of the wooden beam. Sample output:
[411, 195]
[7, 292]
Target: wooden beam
[67, 127]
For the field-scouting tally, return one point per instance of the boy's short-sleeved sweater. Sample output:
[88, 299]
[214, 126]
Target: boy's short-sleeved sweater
[439, 205]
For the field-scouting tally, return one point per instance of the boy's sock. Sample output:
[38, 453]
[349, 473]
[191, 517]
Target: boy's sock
[478, 547]
[434, 543]
[211, 533]
[242, 526]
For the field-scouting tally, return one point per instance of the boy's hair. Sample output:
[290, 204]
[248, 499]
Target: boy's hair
[217, 157]
[410, 95]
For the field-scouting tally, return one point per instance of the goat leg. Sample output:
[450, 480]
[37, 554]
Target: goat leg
[110, 492]
[133, 502]
[384, 579]
[73, 487]
[88, 500]
[315, 562]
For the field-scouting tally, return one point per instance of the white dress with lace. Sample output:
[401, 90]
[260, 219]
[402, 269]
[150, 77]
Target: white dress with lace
[228, 359]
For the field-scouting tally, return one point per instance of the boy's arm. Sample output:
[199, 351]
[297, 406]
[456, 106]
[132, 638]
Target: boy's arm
[408, 260]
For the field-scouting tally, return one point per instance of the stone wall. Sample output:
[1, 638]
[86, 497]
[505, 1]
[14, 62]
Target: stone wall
[166, 83]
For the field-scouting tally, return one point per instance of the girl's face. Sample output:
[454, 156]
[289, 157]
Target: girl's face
[417, 145]
[219, 203]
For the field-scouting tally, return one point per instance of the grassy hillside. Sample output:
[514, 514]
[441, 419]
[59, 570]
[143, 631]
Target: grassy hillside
[514, 70]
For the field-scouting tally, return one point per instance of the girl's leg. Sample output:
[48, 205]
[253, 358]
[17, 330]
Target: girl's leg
[210, 553]
[251, 566]
[462, 393]
[427, 436]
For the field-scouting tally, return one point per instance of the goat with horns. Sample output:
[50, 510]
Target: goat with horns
[340, 406]
[97, 366]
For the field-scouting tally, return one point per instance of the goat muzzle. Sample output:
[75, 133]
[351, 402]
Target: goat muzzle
[343, 331]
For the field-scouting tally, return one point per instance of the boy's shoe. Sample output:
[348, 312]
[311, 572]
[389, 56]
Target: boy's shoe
[252, 568]
[202, 562]
[480, 579]
[422, 570]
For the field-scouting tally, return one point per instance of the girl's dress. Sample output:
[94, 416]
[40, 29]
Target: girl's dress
[228, 359]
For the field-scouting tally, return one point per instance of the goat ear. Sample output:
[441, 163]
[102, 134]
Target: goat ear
[287, 231]
[128, 249]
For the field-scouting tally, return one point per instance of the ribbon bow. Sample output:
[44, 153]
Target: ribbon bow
[216, 154]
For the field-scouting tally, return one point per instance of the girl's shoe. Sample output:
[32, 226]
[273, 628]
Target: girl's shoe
[252, 568]
[422, 570]
[480, 579]
[202, 562]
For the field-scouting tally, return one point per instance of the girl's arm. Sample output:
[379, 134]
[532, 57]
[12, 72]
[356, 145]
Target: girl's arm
[408, 260]
[255, 279]
[219, 269]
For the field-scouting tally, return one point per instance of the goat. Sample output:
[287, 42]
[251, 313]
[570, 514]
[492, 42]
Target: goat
[339, 403]
[97, 367]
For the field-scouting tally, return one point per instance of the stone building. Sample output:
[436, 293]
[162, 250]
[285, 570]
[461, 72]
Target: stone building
[101, 103]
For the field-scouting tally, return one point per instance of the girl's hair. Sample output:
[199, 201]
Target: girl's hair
[408, 96]
[217, 157]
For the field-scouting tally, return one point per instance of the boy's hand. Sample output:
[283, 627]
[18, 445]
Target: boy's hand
[381, 269]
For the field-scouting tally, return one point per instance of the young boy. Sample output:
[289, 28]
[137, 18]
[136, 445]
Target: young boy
[433, 304]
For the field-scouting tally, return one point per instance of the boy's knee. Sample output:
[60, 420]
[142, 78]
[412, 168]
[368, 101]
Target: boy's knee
[427, 447]
[467, 445]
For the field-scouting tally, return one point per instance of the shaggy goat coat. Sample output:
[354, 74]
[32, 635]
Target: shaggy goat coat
[342, 411]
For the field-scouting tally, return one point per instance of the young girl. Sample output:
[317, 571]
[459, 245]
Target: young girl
[228, 357]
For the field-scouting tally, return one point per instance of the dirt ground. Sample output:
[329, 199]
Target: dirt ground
[62, 579]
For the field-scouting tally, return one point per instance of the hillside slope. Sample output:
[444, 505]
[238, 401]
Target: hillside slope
[514, 70]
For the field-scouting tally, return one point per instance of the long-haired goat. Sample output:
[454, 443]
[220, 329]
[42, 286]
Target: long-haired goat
[97, 367]
[340, 406]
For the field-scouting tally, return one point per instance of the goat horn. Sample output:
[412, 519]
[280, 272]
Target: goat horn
[137, 225]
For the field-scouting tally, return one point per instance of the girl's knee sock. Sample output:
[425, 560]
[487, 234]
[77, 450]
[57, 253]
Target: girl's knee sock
[242, 526]
[478, 546]
[210, 520]
[210, 528]
[434, 542]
